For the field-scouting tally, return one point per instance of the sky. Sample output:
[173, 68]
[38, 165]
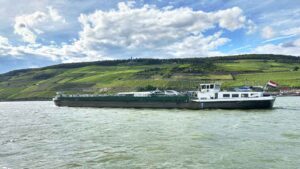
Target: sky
[37, 33]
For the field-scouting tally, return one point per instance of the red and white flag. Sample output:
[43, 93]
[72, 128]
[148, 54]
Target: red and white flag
[271, 83]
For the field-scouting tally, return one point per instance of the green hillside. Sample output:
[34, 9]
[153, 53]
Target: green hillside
[142, 74]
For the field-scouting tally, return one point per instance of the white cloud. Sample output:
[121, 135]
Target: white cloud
[251, 26]
[3, 41]
[198, 45]
[6, 48]
[231, 18]
[55, 16]
[29, 26]
[267, 32]
[173, 32]
[3, 45]
[64, 53]
[290, 48]
[291, 31]
[129, 31]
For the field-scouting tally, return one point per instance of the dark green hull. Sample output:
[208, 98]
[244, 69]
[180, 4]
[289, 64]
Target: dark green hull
[181, 98]
[169, 102]
[118, 104]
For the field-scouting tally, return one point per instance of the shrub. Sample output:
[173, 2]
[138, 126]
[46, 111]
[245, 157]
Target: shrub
[147, 88]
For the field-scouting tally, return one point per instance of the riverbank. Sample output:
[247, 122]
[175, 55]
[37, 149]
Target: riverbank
[107, 77]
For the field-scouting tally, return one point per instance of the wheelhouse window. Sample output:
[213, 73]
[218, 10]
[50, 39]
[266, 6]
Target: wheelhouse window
[211, 86]
[226, 95]
[244, 95]
[235, 95]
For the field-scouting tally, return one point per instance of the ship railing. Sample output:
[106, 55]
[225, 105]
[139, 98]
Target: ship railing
[81, 95]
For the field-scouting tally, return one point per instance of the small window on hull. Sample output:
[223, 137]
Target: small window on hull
[226, 95]
[235, 95]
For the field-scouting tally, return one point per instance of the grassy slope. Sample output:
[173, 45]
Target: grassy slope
[43, 83]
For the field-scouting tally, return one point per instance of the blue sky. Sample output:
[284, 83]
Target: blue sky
[45, 32]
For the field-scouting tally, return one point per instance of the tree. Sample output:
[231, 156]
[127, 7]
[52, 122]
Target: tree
[296, 68]
[147, 88]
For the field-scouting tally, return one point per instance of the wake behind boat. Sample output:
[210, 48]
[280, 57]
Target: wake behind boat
[209, 96]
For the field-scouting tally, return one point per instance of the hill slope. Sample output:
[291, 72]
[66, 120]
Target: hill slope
[139, 74]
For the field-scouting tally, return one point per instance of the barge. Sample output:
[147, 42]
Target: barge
[209, 96]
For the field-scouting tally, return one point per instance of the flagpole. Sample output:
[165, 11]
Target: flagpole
[265, 87]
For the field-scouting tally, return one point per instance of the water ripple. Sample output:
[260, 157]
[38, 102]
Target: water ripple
[40, 135]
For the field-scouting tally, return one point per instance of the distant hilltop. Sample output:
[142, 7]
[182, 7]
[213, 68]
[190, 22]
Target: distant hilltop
[143, 74]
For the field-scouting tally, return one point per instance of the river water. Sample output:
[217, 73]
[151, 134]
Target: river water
[40, 135]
